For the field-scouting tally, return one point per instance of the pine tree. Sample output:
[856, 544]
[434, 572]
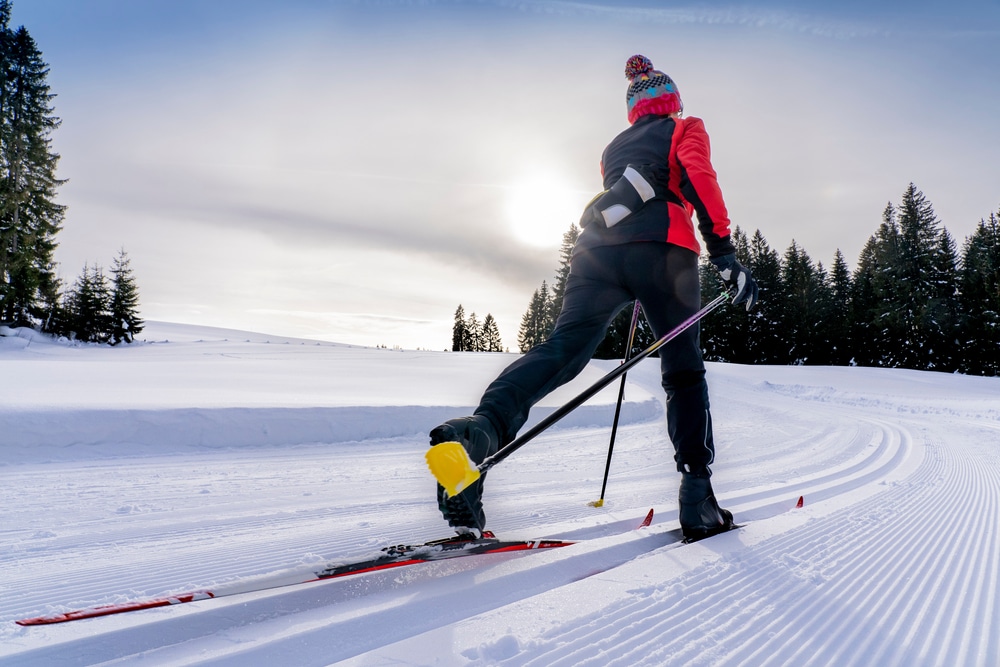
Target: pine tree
[459, 334]
[802, 312]
[737, 319]
[562, 275]
[979, 281]
[715, 344]
[29, 216]
[823, 305]
[942, 316]
[864, 306]
[89, 306]
[839, 322]
[491, 335]
[534, 323]
[763, 342]
[919, 306]
[474, 334]
[125, 320]
[877, 323]
[732, 334]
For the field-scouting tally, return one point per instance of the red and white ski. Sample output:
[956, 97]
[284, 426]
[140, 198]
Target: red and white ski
[388, 558]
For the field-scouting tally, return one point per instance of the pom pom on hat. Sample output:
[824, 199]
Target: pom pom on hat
[650, 91]
[637, 65]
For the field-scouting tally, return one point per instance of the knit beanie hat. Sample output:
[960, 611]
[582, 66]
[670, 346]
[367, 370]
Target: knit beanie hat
[650, 91]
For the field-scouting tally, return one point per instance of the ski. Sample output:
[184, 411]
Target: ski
[388, 558]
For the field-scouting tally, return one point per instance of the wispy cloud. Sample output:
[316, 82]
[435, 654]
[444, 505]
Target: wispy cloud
[755, 17]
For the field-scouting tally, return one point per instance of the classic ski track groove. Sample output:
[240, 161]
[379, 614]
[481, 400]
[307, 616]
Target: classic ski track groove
[873, 550]
[872, 444]
[926, 511]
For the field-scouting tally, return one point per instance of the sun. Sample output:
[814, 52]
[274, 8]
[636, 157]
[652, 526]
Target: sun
[541, 208]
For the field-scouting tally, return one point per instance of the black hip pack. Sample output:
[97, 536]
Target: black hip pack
[629, 194]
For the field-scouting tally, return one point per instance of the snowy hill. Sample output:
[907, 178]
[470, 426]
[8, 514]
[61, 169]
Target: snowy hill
[206, 457]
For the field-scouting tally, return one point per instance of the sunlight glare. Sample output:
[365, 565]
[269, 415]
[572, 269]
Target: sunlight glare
[540, 209]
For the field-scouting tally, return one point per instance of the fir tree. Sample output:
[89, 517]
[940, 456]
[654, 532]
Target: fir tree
[878, 321]
[917, 295]
[823, 303]
[534, 323]
[803, 283]
[715, 344]
[89, 306]
[942, 316]
[864, 304]
[979, 280]
[904, 298]
[839, 321]
[491, 335]
[562, 275]
[125, 320]
[29, 216]
[763, 343]
[474, 334]
[459, 333]
[737, 320]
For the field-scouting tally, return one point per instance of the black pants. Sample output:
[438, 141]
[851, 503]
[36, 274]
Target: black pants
[602, 281]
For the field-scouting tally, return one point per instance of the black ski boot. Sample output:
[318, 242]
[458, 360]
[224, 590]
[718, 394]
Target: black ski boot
[700, 514]
[464, 512]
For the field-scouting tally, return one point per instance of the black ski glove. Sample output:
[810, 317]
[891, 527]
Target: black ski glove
[737, 278]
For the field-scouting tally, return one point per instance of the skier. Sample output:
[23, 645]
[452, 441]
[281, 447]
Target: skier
[637, 242]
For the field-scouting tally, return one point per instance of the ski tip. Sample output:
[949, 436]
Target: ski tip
[648, 520]
[801, 502]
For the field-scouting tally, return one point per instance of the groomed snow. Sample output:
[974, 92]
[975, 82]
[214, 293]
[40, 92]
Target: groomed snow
[205, 458]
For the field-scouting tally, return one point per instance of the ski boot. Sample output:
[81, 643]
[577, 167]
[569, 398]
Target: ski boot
[464, 512]
[700, 514]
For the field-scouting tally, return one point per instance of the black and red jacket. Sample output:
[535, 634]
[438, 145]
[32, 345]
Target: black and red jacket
[677, 152]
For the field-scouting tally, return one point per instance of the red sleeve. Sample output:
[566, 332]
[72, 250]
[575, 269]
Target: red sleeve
[700, 187]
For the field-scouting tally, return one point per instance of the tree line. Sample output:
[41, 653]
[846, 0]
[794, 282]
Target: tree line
[94, 309]
[914, 300]
[469, 335]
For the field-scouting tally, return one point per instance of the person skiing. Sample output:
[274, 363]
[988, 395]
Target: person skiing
[637, 242]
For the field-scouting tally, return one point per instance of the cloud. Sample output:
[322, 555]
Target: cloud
[741, 16]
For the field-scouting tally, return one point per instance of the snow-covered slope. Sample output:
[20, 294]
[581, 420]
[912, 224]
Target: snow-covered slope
[209, 458]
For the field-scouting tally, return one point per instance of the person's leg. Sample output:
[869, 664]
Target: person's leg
[666, 281]
[593, 297]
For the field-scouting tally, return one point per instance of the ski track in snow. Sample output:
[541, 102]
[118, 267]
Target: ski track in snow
[892, 561]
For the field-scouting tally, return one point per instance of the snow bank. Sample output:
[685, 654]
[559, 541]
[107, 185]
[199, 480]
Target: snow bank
[196, 388]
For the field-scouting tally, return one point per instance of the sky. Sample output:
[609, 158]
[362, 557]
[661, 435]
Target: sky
[353, 171]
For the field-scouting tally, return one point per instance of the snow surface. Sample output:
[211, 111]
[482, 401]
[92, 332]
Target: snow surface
[206, 458]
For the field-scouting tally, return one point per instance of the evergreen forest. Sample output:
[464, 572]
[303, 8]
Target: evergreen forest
[914, 299]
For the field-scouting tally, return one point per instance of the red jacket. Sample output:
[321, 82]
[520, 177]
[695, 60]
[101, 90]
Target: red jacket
[678, 153]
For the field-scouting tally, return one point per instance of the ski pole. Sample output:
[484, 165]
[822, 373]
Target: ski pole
[450, 463]
[618, 406]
